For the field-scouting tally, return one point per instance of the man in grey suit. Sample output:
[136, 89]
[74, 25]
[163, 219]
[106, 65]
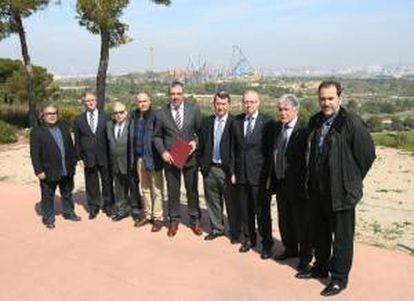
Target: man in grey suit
[120, 137]
[179, 120]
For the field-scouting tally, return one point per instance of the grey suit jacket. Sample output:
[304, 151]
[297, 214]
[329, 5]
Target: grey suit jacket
[166, 131]
[121, 150]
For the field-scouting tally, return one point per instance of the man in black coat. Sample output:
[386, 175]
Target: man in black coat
[340, 151]
[287, 176]
[251, 150]
[91, 146]
[182, 120]
[53, 160]
[214, 159]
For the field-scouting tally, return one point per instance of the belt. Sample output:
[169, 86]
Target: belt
[219, 165]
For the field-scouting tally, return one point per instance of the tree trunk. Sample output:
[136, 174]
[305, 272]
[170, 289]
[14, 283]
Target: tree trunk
[103, 67]
[29, 70]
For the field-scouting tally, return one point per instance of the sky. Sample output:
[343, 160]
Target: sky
[273, 34]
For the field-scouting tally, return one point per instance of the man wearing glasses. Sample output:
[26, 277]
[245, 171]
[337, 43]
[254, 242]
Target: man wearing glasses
[91, 146]
[53, 160]
[120, 133]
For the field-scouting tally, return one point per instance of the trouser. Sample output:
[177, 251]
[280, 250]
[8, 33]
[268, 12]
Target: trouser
[293, 219]
[333, 237]
[217, 189]
[93, 192]
[255, 205]
[173, 177]
[47, 203]
[127, 198]
[151, 185]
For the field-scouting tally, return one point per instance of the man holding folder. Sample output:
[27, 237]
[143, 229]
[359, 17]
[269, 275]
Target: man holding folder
[176, 123]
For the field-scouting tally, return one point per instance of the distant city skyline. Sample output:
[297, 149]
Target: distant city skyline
[273, 35]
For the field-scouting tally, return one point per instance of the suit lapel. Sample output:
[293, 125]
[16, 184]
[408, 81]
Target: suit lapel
[168, 112]
[187, 113]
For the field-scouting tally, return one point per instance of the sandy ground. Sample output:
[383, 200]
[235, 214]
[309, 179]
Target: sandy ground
[385, 216]
[102, 260]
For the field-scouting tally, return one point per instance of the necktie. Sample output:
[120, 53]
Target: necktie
[92, 122]
[178, 120]
[280, 155]
[249, 128]
[217, 139]
[118, 132]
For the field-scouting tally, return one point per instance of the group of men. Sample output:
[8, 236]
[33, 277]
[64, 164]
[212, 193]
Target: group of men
[316, 171]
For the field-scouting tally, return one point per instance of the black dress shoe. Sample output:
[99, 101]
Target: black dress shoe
[93, 214]
[266, 253]
[119, 216]
[246, 246]
[303, 266]
[50, 226]
[332, 289]
[71, 216]
[311, 273]
[213, 235]
[285, 255]
[108, 211]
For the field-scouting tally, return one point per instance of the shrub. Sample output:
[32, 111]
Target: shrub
[8, 133]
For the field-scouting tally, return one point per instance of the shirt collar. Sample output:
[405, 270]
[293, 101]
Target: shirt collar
[223, 118]
[180, 106]
[254, 116]
[291, 124]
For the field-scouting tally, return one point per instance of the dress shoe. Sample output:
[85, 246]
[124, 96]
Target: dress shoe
[266, 253]
[311, 273]
[303, 266]
[213, 235]
[108, 211]
[141, 222]
[332, 289]
[156, 226]
[172, 229]
[50, 226]
[93, 214]
[234, 240]
[285, 255]
[71, 216]
[246, 246]
[119, 216]
[196, 228]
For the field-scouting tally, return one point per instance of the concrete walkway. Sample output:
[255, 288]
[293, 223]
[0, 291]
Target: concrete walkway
[103, 260]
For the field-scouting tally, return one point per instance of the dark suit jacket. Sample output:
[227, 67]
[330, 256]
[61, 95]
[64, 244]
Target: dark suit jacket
[122, 157]
[295, 158]
[166, 130]
[91, 148]
[206, 145]
[251, 156]
[45, 153]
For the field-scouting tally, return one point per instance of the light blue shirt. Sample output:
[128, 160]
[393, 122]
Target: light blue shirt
[219, 124]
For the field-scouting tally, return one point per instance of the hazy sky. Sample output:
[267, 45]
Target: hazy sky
[273, 34]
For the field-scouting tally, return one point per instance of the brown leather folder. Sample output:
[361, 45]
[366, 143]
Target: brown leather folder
[180, 151]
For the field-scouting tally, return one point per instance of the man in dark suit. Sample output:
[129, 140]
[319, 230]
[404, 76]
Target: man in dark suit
[120, 133]
[91, 146]
[339, 153]
[179, 120]
[214, 159]
[53, 160]
[251, 150]
[287, 176]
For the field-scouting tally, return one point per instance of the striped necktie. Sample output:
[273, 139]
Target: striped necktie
[249, 128]
[178, 120]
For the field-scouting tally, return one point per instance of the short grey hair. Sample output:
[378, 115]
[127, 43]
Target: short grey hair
[291, 99]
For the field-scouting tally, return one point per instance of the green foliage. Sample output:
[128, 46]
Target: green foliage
[400, 140]
[8, 133]
[374, 123]
[67, 113]
[14, 85]
[9, 9]
[15, 115]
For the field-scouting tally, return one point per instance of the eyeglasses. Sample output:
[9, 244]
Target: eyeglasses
[118, 112]
[51, 113]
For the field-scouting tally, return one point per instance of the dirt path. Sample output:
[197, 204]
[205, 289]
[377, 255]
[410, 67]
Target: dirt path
[102, 260]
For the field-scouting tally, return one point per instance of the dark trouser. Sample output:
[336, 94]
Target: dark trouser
[127, 198]
[255, 203]
[173, 177]
[93, 192]
[340, 224]
[293, 218]
[47, 203]
[218, 188]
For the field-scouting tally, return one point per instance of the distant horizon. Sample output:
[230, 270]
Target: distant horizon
[273, 34]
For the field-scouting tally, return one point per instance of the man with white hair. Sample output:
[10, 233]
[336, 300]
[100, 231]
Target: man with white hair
[120, 132]
[286, 179]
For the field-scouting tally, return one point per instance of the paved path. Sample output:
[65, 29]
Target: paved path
[103, 260]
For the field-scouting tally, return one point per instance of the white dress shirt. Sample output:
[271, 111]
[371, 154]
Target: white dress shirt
[246, 121]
